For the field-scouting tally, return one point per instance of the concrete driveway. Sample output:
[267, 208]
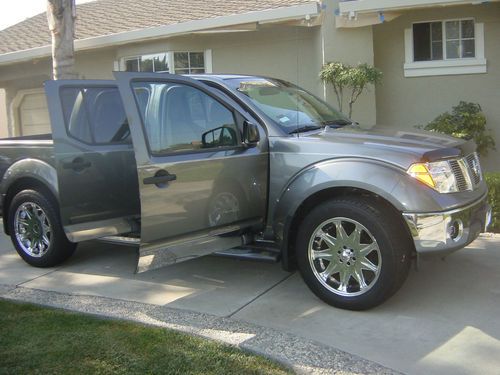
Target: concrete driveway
[445, 319]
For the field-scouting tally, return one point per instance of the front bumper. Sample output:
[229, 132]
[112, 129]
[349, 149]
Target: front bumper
[444, 232]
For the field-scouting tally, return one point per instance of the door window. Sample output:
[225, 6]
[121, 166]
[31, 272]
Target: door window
[95, 115]
[181, 118]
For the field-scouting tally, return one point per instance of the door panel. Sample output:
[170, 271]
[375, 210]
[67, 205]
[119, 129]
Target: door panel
[95, 163]
[208, 193]
[188, 139]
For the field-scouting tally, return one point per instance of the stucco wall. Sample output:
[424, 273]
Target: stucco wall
[22, 77]
[352, 46]
[3, 115]
[281, 51]
[278, 51]
[295, 54]
[405, 102]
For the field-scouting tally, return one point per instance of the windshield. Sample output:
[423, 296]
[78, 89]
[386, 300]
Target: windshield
[289, 106]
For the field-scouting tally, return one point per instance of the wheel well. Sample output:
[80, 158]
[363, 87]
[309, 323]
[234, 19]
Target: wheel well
[321, 196]
[21, 184]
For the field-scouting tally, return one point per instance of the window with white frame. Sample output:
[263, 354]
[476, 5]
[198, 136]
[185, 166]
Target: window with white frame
[147, 63]
[445, 47]
[189, 62]
[444, 40]
[172, 62]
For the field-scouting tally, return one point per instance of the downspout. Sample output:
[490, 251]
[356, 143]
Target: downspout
[323, 53]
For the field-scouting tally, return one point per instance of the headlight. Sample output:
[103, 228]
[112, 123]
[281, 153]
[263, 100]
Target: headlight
[438, 175]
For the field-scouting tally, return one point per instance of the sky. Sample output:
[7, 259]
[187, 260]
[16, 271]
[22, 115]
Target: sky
[12, 12]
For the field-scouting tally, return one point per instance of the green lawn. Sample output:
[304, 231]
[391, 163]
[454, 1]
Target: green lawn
[35, 340]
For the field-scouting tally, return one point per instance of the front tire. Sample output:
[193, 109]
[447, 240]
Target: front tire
[36, 231]
[353, 254]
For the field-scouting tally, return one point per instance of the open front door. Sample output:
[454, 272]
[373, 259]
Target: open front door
[200, 186]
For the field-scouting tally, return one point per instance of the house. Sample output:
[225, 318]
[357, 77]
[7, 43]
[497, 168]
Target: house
[433, 53]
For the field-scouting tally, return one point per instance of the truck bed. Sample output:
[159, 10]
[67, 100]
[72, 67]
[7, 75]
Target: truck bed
[38, 137]
[16, 148]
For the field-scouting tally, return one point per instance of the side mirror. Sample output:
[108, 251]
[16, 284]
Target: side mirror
[251, 134]
[223, 136]
[210, 139]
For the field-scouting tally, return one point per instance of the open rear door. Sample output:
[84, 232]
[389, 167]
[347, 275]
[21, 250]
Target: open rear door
[200, 186]
[98, 192]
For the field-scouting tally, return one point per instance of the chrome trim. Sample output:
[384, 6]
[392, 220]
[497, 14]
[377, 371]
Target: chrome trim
[489, 217]
[248, 253]
[466, 175]
[153, 256]
[97, 229]
[431, 231]
[121, 240]
[467, 172]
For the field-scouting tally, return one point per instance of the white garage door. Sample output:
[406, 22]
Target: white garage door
[34, 115]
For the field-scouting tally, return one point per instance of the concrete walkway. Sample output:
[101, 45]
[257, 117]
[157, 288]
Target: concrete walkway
[443, 321]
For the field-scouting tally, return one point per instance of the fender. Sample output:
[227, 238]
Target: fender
[29, 168]
[388, 181]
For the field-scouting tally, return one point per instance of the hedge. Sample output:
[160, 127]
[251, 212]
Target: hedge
[493, 181]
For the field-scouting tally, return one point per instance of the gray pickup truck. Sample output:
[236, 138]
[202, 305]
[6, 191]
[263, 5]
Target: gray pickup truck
[242, 166]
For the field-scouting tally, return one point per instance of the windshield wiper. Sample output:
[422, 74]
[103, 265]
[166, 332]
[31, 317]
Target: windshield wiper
[334, 123]
[305, 129]
[338, 122]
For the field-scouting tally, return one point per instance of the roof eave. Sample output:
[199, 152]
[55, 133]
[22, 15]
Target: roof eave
[278, 14]
[353, 7]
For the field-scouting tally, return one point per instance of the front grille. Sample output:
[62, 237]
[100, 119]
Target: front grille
[467, 172]
[460, 177]
[474, 168]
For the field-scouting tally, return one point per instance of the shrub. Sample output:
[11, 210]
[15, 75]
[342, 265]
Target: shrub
[466, 121]
[493, 181]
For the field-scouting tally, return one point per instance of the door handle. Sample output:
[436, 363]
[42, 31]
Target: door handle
[161, 177]
[78, 164]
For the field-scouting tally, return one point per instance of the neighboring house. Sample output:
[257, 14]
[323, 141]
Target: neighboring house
[433, 53]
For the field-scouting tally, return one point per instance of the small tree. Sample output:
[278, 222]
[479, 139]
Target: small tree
[355, 78]
[334, 74]
[466, 121]
[61, 16]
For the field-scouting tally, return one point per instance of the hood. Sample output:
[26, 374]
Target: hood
[401, 147]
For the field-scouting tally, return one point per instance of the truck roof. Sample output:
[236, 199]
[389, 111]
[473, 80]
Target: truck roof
[222, 77]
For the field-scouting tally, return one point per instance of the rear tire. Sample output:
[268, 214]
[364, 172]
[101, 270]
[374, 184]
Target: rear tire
[36, 231]
[352, 253]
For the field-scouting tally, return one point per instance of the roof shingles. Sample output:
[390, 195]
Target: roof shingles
[105, 17]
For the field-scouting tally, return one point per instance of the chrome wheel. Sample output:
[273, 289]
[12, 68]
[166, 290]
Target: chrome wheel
[344, 257]
[32, 229]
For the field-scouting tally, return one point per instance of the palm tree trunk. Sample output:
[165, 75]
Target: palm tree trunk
[61, 16]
